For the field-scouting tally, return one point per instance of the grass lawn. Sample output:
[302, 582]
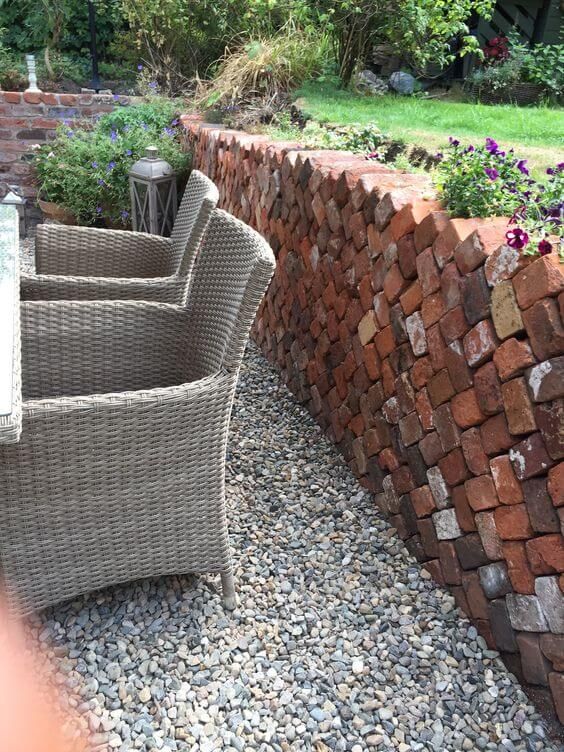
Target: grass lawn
[536, 133]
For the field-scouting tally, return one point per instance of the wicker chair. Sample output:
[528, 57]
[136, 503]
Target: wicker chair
[86, 263]
[119, 473]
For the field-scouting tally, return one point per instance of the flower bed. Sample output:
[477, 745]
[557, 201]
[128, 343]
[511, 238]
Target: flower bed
[431, 352]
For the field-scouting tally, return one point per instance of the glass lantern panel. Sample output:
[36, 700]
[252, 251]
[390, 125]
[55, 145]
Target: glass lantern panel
[164, 208]
[141, 208]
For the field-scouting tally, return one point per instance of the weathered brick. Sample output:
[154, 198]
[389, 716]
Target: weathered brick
[534, 664]
[552, 647]
[440, 388]
[417, 465]
[495, 435]
[481, 493]
[546, 554]
[525, 613]
[448, 431]
[428, 229]
[410, 428]
[416, 333]
[546, 380]
[518, 407]
[450, 565]
[367, 327]
[506, 484]
[428, 272]
[473, 450]
[437, 346]
[421, 372]
[475, 297]
[513, 523]
[494, 579]
[471, 552]
[446, 524]
[423, 501]
[480, 343]
[477, 601]
[458, 370]
[512, 358]
[539, 506]
[505, 311]
[385, 342]
[549, 417]
[503, 264]
[479, 245]
[464, 513]
[451, 286]
[545, 329]
[530, 457]
[555, 484]
[438, 487]
[540, 279]
[453, 324]
[501, 626]
[431, 448]
[453, 467]
[432, 309]
[466, 410]
[552, 602]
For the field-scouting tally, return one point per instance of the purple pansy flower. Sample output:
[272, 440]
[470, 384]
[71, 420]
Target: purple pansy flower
[491, 172]
[517, 238]
[470, 149]
[491, 146]
[521, 166]
[453, 141]
[544, 247]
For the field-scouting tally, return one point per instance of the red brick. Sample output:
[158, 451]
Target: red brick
[541, 279]
[546, 554]
[68, 100]
[436, 346]
[466, 410]
[448, 431]
[32, 97]
[556, 684]
[12, 97]
[534, 664]
[513, 357]
[412, 298]
[454, 324]
[410, 429]
[477, 601]
[518, 407]
[556, 484]
[476, 297]
[464, 513]
[421, 372]
[543, 515]
[550, 419]
[367, 327]
[495, 435]
[423, 501]
[428, 537]
[553, 648]
[428, 229]
[545, 329]
[356, 425]
[480, 343]
[518, 568]
[546, 380]
[432, 309]
[385, 342]
[407, 256]
[481, 493]
[506, 484]
[388, 378]
[440, 388]
[424, 409]
[382, 308]
[372, 361]
[431, 448]
[453, 467]
[530, 457]
[454, 233]
[458, 370]
[451, 286]
[513, 522]
[403, 482]
[433, 566]
[475, 249]
[408, 217]
[488, 389]
[366, 293]
[428, 272]
[473, 451]
[450, 566]
[394, 284]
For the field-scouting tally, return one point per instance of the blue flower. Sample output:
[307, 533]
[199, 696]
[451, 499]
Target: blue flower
[101, 182]
[139, 67]
[94, 164]
[124, 214]
[144, 126]
[98, 210]
[70, 134]
[491, 172]
[110, 166]
[128, 152]
[113, 135]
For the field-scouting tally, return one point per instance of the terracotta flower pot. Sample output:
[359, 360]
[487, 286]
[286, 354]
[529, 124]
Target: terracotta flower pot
[56, 212]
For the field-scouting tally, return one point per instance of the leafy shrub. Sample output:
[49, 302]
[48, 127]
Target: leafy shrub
[85, 168]
[486, 181]
[266, 66]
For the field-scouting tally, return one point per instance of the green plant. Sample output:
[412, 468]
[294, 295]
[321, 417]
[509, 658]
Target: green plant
[422, 31]
[544, 65]
[85, 168]
[12, 68]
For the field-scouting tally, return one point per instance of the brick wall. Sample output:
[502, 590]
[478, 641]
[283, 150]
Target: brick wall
[28, 118]
[432, 355]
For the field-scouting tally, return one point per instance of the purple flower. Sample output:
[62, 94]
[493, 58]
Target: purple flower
[144, 126]
[101, 182]
[153, 85]
[124, 214]
[168, 132]
[116, 97]
[70, 134]
[491, 146]
[453, 141]
[521, 166]
[94, 164]
[128, 152]
[544, 247]
[174, 122]
[517, 238]
[439, 155]
[470, 149]
[98, 210]
[113, 135]
[110, 166]
[139, 67]
[491, 172]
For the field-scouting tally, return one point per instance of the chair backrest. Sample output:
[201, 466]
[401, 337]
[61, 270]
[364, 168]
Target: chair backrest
[199, 200]
[231, 274]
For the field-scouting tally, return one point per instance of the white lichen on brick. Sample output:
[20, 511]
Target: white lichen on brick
[536, 376]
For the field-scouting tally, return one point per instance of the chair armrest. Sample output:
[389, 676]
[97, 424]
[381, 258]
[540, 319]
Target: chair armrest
[93, 252]
[58, 287]
[87, 347]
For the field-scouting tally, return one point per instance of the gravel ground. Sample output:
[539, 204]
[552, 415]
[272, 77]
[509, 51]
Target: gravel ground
[340, 641]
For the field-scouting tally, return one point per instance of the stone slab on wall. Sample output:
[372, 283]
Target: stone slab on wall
[28, 118]
[432, 354]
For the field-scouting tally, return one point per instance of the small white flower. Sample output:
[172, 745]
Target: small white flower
[35, 147]
[51, 154]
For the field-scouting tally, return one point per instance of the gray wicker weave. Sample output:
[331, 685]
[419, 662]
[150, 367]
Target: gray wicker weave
[87, 263]
[119, 473]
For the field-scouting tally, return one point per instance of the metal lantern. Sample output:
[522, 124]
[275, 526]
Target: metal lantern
[152, 185]
[15, 198]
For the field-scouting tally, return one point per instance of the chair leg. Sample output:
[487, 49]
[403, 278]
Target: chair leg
[228, 589]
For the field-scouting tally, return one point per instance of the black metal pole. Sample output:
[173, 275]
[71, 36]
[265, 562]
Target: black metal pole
[93, 51]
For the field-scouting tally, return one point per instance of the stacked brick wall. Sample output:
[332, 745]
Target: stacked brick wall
[28, 118]
[432, 355]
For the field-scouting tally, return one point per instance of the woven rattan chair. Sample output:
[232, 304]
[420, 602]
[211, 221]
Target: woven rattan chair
[119, 472]
[87, 263]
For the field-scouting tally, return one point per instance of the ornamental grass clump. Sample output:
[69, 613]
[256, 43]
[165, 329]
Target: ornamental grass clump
[85, 169]
[486, 181]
